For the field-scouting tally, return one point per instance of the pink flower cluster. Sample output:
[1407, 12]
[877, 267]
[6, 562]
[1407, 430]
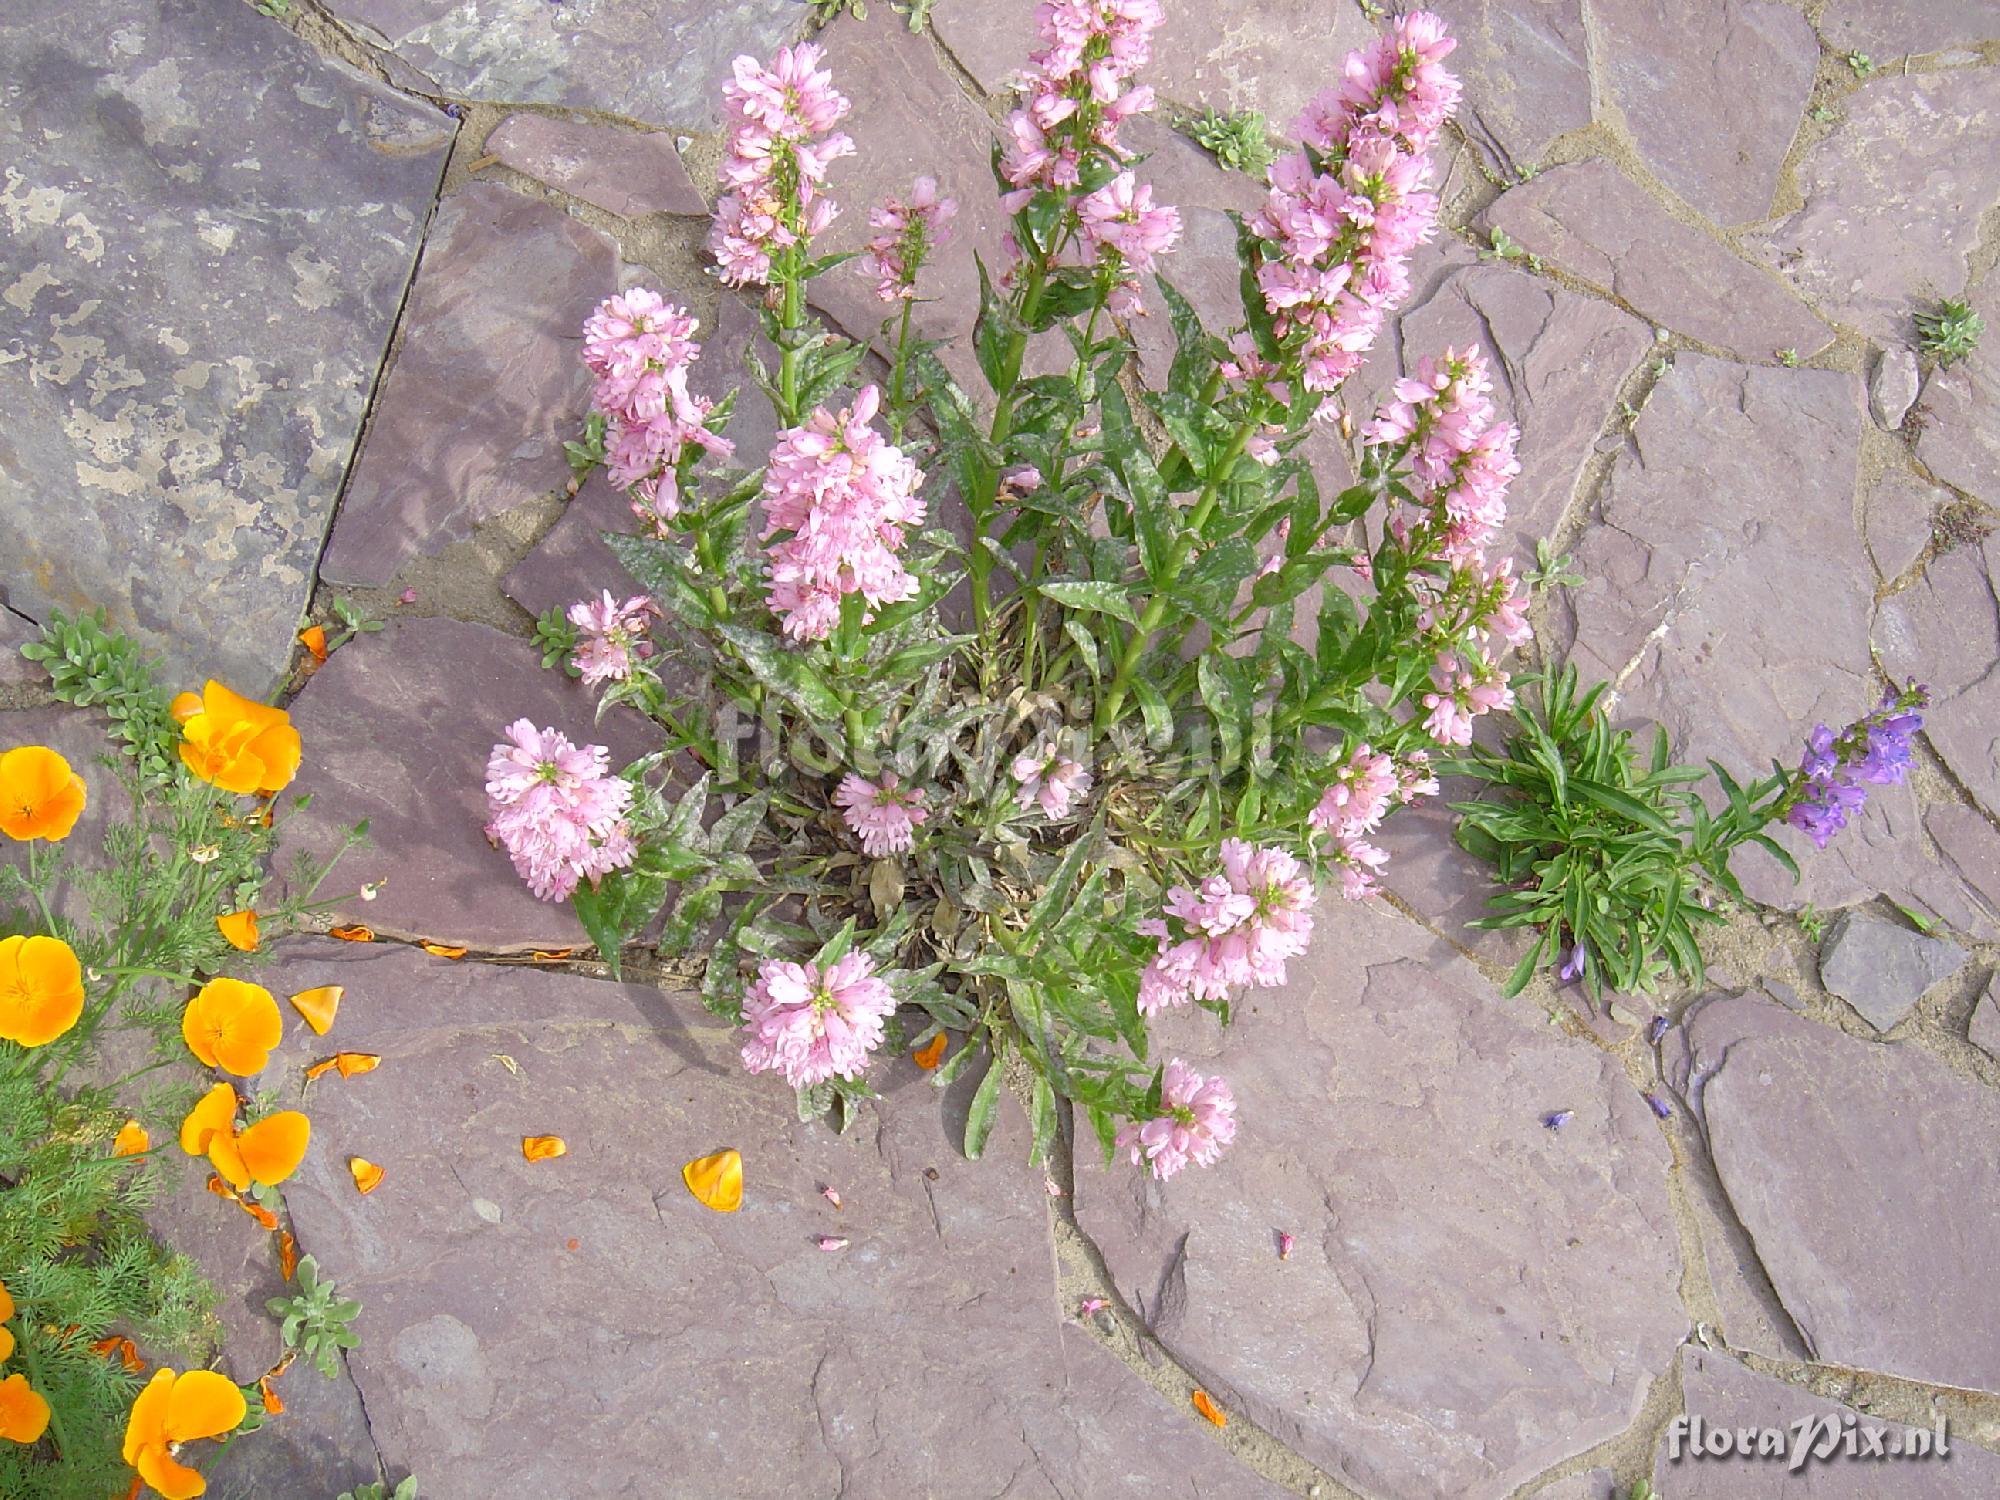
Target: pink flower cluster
[1197, 1120]
[611, 637]
[837, 498]
[815, 1025]
[1077, 91]
[908, 233]
[555, 809]
[883, 816]
[781, 142]
[640, 348]
[1364, 787]
[1049, 779]
[1239, 926]
[1345, 211]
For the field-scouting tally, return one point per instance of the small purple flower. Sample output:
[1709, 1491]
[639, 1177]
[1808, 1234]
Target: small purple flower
[1556, 1119]
[1655, 1029]
[1837, 770]
[1573, 966]
[1659, 1106]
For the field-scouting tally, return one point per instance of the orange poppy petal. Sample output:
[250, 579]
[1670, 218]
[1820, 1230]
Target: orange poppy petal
[313, 638]
[443, 950]
[543, 1147]
[1204, 1404]
[24, 1415]
[318, 1006]
[6, 1344]
[215, 1111]
[349, 1063]
[931, 1053]
[352, 934]
[266, 1220]
[172, 1479]
[273, 1148]
[132, 1140]
[288, 1254]
[716, 1181]
[367, 1176]
[272, 1405]
[203, 1404]
[185, 707]
[146, 1426]
[126, 1352]
[228, 1161]
[239, 929]
[6, 1304]
[551, 955]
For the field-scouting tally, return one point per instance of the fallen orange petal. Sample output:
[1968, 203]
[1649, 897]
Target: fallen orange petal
[239, 928]
[318, 1006]
[443, 950]
[352, 934]
[543, 1147]
[264, 1217]
[126, 1351]
[367, 1176]
[349, 1064]
[220, 1188]
[931, 1053]
[288, 1254]
[131, 1140]
[551, 955]
[313, 638]
[716, 1181]
[272, 1405]
[1204, 1404]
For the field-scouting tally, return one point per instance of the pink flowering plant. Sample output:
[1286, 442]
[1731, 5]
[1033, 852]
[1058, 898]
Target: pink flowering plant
[1022, 713]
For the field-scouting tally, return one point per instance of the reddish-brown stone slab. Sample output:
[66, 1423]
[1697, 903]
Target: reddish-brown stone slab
[626, 172]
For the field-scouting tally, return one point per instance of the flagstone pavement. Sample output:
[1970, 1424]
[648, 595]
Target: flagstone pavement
[288, 313]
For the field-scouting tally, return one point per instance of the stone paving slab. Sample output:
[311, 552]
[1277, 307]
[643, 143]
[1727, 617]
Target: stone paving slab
[660, 61]
[1472, 1297]
[1525, 66]
[625, 172]
[397, 729]
[1901, 512]
[1893, 199]
[209, 230]
[1897, 28]
[15, 632]
[1969, 848]
[1945, 630]
[527, 1324]
[1726, 1394]
[1883, 969]
[1809, 1126]
[1959, 414]
[1712, 100]
[1589, 219]
[486, 385]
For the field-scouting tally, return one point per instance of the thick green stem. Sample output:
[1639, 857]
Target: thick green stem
[791, 318]
[898, 371]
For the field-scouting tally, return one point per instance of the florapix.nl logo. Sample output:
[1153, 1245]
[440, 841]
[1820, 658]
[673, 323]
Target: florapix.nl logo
[1826, 1438]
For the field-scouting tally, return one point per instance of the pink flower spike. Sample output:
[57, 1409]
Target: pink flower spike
[884, 817]
[556, 810]
[1196, 1123]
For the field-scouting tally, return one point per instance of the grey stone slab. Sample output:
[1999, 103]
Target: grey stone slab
[486, 384]
[661, 61]
[1882, 969]
[1892, 387]
[1945, 630]
[1900, 511]
[1589, 219]
[572, 562]
[1896, 28]
[320, 1444]
[1969, 850]
[1726, 1394]
[500, 1296]
[1712, 97]
[1737, 488]
[1958, 435]
[1525, 67]
[625, 172]
[397, 729]
[1893, 197]
[1472, 1297]
[1866, 1174]
[209, 230]
[1592, 1484]
[1984, 1029]
[17, 631]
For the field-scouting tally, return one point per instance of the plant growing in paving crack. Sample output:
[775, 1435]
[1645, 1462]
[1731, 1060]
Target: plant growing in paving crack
[1613, 862]
[316, 1322]
[1949, 332]
[1241, 142]
[1860, 64]
[1112, 781]
[130, 936]
[405, 1490]
[1551, 571]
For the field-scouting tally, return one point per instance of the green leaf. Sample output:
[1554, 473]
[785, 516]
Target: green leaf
[1105, 598]
[784, 672]
[1042, 1115]
[1624, 804]
[980, 1118]
[1153, 708]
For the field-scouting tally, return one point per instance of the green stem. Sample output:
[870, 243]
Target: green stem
[898, 371]
[985, 502]
[791, 318]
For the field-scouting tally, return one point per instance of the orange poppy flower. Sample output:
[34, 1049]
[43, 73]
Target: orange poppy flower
[1205, 1404]
[267, 1152]
[41, 989]
[24, 1415]
[318, 1006]
[349, 1064]
[40, 796]
[232, 1025]
[543, 1147]
[313, 638]
[931, 1053]
[175, 1409]
[132, 1139]
[235, 744]
[367, 1176]
[239, 929]
[6, 1312]
[443, 950]
[355, 933]
[716, 1181]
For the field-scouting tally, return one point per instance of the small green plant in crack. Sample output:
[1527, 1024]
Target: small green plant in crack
[1241, 142]
[1502, 246]
[555, 638]
[588, 454]
[315, 1323]
[1825, 114]
[91, 665]
[1551, 570]
[353, 621]
[276, 9]
[1812, 921]
[916, 12]
[1643, 1490]
[1789, 358]
[1949, 332]
[825, 11]
[407, 1490]
[1860, 64]
[1960, 524]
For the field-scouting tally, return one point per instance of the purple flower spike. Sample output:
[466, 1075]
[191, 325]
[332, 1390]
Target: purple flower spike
[1837, 770]
[1659, 1106]
[1557, 1119]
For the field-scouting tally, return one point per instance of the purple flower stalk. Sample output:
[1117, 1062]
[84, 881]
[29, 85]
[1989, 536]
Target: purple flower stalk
[1839, 768]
